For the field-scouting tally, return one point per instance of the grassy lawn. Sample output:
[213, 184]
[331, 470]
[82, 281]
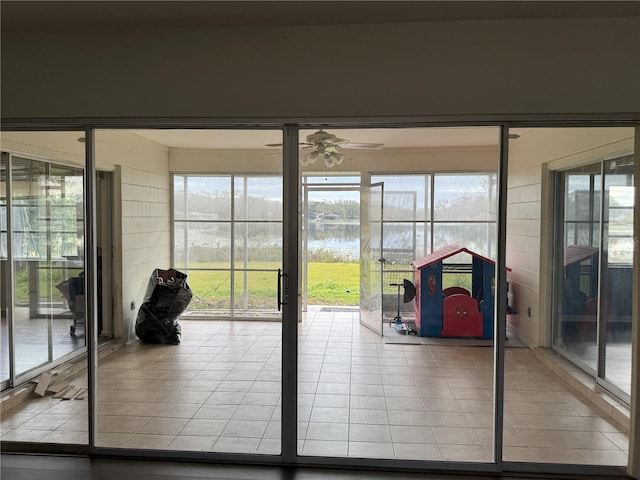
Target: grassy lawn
[329, 284]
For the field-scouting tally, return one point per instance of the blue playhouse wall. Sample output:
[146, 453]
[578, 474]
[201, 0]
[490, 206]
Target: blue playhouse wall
[431, 299]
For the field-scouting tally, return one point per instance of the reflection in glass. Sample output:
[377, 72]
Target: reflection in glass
[465, 197]
[617, 295]
[47, 217]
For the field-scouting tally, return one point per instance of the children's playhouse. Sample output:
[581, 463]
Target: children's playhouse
[454, 311]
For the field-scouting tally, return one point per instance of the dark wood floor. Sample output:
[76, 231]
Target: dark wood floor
[51, 467]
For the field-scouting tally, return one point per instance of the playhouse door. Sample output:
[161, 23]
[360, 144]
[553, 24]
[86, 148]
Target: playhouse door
[371, 257]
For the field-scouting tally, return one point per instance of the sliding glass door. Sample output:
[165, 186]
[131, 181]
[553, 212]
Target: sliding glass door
[593, 313]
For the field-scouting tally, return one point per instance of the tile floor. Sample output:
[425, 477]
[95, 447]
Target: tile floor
[219, 390]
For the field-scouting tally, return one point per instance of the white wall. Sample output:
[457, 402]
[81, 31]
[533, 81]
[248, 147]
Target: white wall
[529, 212]
[498, 67]
[143, 219]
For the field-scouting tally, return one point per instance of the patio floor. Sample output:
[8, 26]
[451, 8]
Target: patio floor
[219, 391]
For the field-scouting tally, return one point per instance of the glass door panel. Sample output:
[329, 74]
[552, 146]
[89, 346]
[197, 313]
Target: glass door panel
[371, 258]
[219, 388]
[5, 291]
[397, 396]
[547, 419]
[617, 295]
[43, 302]
[576, 325]
[47, 208]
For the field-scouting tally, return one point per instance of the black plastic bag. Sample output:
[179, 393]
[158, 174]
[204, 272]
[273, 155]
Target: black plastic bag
[167, 296]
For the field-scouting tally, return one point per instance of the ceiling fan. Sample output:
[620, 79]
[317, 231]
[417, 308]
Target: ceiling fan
[327, 146]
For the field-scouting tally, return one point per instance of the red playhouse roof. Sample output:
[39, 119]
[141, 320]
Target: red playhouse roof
[444, 253]
[578, 253]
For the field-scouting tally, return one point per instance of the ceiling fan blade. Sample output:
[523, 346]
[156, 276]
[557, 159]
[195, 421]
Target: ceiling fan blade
[301, 144]
[363, 146]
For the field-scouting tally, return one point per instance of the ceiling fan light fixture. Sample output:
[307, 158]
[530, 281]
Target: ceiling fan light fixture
[333, 158]
[309, 158]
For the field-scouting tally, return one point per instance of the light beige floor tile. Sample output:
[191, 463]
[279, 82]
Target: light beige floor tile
[20, 435]
[365, 379]
[150, 441]
[519, 454]
[163, 426]
[218, 412]
[412, 434]
[66, 407]
[464, 453]
[325, 448]
[274, 429]
[436, 381]
[245, 428]
[253, 412]
[588, 440]
[306, 399]
[455, 436]
[408, 417]
[620, 440]
[265, 387]
[333, 389]
[204, 427]
[480, 420]
[335, 377]
[396, 379]
[369, 433]
[194, 390]
[139, 409]
[522, 408]
[45, 421]
[269, 446]
[78, 423]
[366, 369]
[234, 386]
[401, 391]
[470, 394]
[367, 390]
[436, 393]
[535, 422]
[192, 443]
[448, 419]
[236, 444]
[416, 451]
[72, 437]
[178, 410]
[121, 424]
[327, 431]
[112, 439]
[14, 419]
[328, 414]
[603, 457]
[368, 416]
[331, 400]
[445, 405]
[225, 398]
[242, 375]
[558, 455]
[544, 438]
[261, 399]
[371, 450]
[562, 422]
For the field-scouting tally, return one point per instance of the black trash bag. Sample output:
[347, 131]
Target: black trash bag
[167, 296]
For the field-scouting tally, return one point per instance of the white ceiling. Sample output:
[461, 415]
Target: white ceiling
[390, 137]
